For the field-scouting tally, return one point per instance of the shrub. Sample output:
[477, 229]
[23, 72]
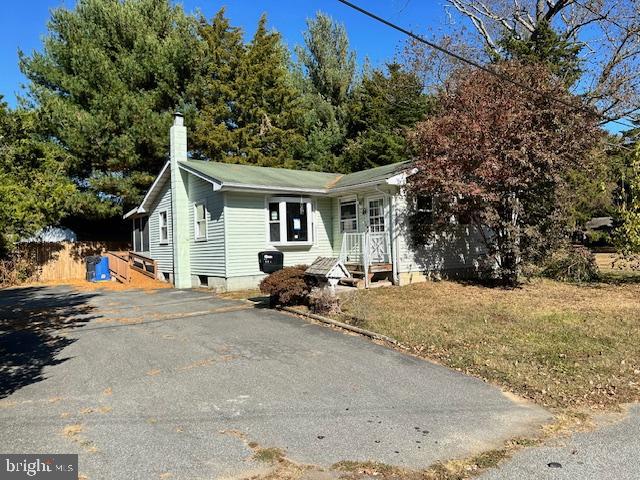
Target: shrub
[324, 302]
[574, 264]
[17, 268]
[287, 286]
[598, 238]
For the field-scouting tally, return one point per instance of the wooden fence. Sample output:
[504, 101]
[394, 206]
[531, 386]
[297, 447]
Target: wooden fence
[65, 260]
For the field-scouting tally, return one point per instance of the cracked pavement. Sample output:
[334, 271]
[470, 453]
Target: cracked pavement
[148, 384]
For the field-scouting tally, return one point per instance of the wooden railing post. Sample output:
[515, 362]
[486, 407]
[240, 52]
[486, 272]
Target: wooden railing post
[365, 244]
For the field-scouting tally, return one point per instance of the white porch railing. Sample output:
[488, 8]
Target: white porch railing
[352, 248]
[365, 249]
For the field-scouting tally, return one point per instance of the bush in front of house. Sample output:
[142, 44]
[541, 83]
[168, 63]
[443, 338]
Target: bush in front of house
[287, 286]
[324, 302]
[574, 264]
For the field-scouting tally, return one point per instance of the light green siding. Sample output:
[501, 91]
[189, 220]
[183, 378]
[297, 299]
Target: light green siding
[207, 256]
[361, 197]
[161, 252]
[246, 219]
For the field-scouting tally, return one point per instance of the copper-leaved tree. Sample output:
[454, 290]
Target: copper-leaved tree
[495, 156]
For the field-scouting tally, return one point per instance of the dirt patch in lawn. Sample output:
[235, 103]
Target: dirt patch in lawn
[558, 344]
[138, 282]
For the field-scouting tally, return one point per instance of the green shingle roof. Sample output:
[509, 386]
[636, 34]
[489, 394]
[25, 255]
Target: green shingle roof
[371, 175]
[235, 174]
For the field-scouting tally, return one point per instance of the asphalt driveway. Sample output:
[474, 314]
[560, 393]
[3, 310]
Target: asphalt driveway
[184, 384]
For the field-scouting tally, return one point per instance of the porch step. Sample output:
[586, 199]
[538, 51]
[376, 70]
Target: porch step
[352, 282]
[358, 269]
[380, 267]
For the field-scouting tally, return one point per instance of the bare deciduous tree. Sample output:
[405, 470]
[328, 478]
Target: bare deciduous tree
[607, 30]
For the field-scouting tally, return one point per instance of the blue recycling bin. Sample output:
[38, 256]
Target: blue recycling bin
[102, 273]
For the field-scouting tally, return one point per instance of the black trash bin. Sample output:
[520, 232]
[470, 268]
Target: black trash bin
[270, 261]
[92, 261]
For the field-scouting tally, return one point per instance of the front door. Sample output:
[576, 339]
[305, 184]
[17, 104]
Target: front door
[377, 230]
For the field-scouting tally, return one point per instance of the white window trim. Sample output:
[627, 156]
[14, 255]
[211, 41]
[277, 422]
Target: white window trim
[197, 238]
[311, 224]
[429, 211]
[163, 241]
[349, 200]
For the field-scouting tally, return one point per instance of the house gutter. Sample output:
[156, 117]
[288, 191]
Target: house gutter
[262, 188]
[373, 183]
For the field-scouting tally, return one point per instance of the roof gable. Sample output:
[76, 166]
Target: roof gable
[152, 193]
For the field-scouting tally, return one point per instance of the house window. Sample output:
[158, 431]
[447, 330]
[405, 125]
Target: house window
[348, 216]
[424, 209]
[274, 222]
[200, 223]
[290, 220]
[141, 234]
[164, 227]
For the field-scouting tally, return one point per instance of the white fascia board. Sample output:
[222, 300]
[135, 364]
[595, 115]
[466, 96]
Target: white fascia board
[217, 184]
[130, 213]
[355, 188]
[401, 178]
[154, 185]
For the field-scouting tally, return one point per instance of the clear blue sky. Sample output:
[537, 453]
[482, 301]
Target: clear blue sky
[23, 25]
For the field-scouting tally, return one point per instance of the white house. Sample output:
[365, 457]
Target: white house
[205, 222]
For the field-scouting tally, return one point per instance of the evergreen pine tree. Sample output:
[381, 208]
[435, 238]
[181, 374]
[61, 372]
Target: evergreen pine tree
[35, 190]
[107, 81]
[267, 106]
[214, 91]
[327, 78]
[384, 107]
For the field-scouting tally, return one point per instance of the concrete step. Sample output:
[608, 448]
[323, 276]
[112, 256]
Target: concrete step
[352, 282]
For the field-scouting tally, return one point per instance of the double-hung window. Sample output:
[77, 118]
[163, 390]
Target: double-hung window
[163, 225]
[290, 220]
[200, 221]
[274, 222]
[424, 208]
[348, 216]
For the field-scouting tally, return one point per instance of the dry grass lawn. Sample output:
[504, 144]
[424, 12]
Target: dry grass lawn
[558, 344]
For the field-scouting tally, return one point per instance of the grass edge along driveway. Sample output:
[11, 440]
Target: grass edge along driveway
[563, 346]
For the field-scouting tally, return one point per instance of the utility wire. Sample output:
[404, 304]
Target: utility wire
[475, 64]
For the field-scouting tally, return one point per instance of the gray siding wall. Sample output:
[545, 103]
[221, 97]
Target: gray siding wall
[454, 251]
[246, 223]
[161, 252]
[207, 256]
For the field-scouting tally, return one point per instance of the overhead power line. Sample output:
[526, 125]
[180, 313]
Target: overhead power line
[478, 65]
